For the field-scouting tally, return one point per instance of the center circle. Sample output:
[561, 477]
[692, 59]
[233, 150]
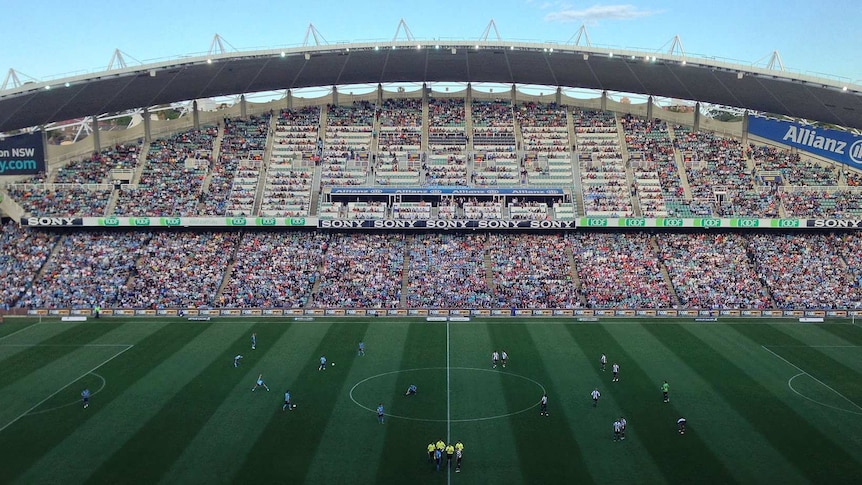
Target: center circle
[437, 382]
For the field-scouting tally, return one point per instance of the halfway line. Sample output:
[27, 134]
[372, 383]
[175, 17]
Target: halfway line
[448, 408]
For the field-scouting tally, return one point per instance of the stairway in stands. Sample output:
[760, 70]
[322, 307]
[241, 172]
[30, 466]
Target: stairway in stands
[664, 272]
[405, 288]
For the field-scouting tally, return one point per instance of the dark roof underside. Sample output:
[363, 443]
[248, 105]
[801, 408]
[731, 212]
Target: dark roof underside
[230, 74]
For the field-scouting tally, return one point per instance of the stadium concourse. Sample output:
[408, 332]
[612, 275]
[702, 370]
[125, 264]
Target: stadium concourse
[441, 158]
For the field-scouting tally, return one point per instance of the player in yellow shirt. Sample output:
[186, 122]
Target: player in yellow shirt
[431, 448]
[441, 445]
[459, 446]
[450, 453]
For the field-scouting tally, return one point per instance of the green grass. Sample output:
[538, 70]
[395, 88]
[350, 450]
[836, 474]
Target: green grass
[766, 402]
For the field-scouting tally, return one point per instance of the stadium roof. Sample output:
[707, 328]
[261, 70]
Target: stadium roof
[666, 75]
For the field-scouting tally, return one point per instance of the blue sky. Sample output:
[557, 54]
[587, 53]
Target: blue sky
[47, 38]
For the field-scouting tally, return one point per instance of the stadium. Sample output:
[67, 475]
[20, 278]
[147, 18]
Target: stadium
[440, 202]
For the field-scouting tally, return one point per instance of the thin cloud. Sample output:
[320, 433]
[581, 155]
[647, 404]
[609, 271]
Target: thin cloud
[598, 12]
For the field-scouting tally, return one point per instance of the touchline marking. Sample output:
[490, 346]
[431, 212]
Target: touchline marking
[790, 385]
[809, 375]
[817, 346]
[64, 345]
[10, 423]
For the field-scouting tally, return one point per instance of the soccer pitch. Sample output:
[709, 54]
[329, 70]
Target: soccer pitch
[765, 401]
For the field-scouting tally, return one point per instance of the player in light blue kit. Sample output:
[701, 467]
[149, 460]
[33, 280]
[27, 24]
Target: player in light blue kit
[85, 397]
[322, 363]
[236, 360]
[259, 383]
[380, 413]
[253, 340]
[361, 350]
[411, 390]
[287, 404]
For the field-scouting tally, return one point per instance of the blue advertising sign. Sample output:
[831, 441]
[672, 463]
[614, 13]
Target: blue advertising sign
[22, 155]
[440, 191]
[835, 145]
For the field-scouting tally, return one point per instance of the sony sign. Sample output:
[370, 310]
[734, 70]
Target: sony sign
[835, 223]
[52, 221]
[442, 224]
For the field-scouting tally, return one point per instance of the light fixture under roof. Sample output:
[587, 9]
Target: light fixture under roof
[209, 61]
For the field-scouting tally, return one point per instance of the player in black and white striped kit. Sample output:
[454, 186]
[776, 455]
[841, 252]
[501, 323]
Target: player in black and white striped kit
[617, 429]
[543, 405]
[623, 424]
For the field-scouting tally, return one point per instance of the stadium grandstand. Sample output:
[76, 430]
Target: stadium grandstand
[409, 198]
[431, 261]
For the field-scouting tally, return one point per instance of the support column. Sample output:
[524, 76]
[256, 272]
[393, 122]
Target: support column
[604, 102]
[745, 129]
[243, 109]
[289, 99]
[334, 95]
[559, 96]
[424, 94]
[196, 120]
[148, 134]
[44, 147]
[649, 108]
[514, 95]
[696, 123]
[379, 95]
[94, 125]
[468, 98]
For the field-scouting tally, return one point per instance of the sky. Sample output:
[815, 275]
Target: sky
[47, 39]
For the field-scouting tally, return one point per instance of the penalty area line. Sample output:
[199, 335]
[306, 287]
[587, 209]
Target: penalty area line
[58, 391]
[803, 371]
[16, 332]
